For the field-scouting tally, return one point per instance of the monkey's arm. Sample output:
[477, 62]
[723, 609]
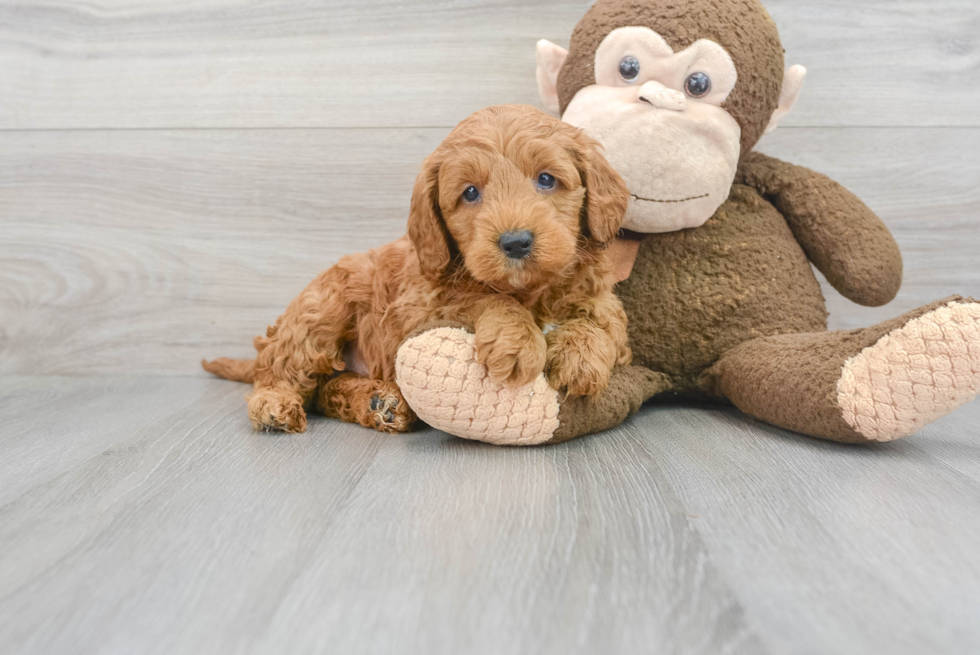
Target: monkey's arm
[843, 238]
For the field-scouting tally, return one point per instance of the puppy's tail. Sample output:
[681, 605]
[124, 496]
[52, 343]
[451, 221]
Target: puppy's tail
[237, 370]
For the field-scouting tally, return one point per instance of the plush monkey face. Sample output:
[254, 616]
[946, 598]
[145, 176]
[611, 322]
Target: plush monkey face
[675, 92]
[658, 114]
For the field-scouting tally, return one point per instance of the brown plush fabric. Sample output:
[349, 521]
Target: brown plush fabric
[696, 294]
[840, 235]
[791, 380]
[732, 310]
[629, 388]
[714, 294]
[743, 27]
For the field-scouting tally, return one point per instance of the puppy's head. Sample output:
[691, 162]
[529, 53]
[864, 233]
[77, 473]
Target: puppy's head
[516, 197]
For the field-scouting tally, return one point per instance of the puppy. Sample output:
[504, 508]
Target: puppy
[509, 221]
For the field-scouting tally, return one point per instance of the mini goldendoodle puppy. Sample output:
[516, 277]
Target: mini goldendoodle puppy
[509, 221]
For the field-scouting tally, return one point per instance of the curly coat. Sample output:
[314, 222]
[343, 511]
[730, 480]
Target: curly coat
[450, 266]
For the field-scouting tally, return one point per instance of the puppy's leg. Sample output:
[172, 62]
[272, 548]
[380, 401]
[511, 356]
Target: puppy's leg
[372, 403]
[583, 351]
[305, 344]
[508, 342]
[280, 408]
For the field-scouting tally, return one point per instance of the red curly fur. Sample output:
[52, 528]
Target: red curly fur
[450, 267]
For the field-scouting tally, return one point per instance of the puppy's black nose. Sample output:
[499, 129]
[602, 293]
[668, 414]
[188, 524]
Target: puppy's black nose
[516, 245]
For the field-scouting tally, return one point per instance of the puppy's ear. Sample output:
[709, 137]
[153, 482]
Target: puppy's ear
[606, 195]
[426, 228]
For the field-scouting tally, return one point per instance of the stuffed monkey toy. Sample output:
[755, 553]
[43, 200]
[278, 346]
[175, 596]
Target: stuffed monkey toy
[715, 264]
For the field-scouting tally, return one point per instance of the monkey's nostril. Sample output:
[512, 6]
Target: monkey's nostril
[664, 99]
[516, 244]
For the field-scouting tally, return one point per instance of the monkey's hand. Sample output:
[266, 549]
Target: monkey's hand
[843, 238]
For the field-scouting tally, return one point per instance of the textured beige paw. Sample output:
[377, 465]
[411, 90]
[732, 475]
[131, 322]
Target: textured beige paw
[914, 375]
[438, 375]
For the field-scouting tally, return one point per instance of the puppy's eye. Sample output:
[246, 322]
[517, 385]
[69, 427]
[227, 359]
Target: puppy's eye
[629, 68]
[546, 181]
[472, 194]
[697, 85]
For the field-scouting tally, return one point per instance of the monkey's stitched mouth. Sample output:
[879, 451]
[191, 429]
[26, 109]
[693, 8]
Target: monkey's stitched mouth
[667, 202]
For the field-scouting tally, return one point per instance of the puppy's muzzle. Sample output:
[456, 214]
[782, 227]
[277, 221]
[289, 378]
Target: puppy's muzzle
[516, 245]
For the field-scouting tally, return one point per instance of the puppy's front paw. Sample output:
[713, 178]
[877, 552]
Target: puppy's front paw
[580, 361]
[274, 409]
[512, 352]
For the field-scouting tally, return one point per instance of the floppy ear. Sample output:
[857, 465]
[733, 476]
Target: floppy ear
[550, 58]
[426, 228]
[606, 195]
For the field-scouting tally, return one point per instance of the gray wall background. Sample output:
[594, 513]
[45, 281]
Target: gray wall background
[172, 174]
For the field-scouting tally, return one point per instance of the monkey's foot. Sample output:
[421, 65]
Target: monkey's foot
[439, 376]
[913, 375]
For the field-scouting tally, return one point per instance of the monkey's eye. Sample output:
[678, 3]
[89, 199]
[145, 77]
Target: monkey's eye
[472, 194]
[546, 181]
[697, 85]
[629, 68]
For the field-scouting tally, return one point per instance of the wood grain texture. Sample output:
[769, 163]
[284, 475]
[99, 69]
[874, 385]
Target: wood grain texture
[151, 240]
[189, 533]
[142, 252]
[383, 63]
[833, 549]
[168, 527]
[140, 514]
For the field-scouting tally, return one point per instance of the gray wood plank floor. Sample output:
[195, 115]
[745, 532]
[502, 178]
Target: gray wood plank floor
[171, 174]
[142, 515]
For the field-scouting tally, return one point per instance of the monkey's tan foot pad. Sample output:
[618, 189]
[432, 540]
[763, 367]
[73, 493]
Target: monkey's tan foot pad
[390, 413]
[441, 380]
[913, 375]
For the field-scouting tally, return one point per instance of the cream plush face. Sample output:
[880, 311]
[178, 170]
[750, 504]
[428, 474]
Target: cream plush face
[662, 126]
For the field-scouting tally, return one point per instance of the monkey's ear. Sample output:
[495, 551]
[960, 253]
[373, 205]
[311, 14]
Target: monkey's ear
[426, 228]
[606, 194]
[792, 85]
[550, 60]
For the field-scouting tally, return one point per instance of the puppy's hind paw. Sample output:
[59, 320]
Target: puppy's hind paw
[390, 413]
[272, 409]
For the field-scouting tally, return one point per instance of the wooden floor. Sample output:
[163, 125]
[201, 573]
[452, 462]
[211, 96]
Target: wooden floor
[172, 174]
[142, 515]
